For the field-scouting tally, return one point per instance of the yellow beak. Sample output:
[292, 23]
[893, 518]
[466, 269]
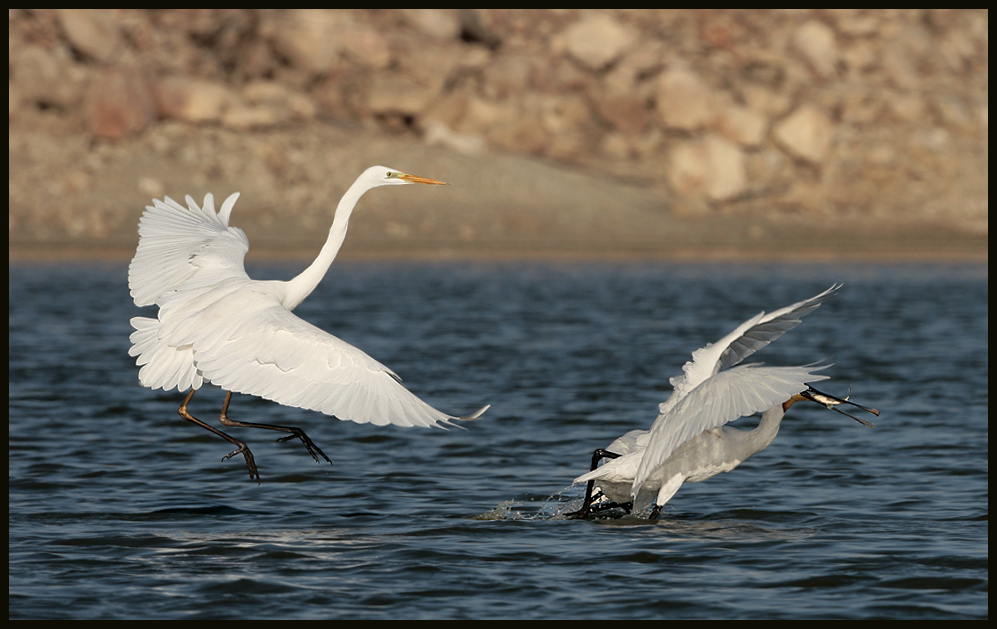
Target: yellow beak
[417, 179]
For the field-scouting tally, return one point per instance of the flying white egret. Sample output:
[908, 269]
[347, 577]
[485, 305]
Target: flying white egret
[216, 325]
[689, 441]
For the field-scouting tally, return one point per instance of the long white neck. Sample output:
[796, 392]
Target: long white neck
[768, 426]
[297, 289]
[744, 443]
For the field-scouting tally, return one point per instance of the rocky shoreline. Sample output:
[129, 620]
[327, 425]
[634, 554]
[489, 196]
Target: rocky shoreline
[681, 134]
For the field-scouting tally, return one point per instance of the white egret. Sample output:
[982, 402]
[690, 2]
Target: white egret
[689, 441]
[216, 325]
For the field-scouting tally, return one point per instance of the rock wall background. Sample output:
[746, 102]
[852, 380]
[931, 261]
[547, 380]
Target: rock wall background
[670, 132]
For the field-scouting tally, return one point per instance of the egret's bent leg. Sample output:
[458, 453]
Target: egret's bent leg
[313, 449]
[243, 448]
[587, 507]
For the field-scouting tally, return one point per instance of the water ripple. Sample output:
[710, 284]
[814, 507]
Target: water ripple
[119, 509]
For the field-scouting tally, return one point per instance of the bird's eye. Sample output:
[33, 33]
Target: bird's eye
[391, 174]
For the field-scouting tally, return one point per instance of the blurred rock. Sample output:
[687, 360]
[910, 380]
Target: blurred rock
[309, 38]
[596, 41]
[746, 112]
[711, 167]
[93, 34]
[46, 78]
[817, 43]
[398, 95]
[684, 100]
[438, 23]
[742, 125]
[120, 103]
[806, 133]
[192, 100]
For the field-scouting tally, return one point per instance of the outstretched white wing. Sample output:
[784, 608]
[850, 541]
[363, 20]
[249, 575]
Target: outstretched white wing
[217, 325]
[737, 392]
[245, 341]
[177, 244]
[743, 341]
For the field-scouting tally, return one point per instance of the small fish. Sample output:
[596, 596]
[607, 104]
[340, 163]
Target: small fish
[830, 402]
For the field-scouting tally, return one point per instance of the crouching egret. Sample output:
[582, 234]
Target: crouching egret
[689, 441]
[217, 325]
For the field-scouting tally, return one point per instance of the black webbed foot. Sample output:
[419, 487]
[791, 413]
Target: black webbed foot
[242, 448]
[589, 506]
[296, 433]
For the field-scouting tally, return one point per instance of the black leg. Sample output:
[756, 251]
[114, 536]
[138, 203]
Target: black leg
[587, 508]
[242, 448]
[313, 449]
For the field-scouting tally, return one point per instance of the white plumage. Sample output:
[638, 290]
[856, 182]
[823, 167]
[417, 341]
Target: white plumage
[689, 441]
[217, 325]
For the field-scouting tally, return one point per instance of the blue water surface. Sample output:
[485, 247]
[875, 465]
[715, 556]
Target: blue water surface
[120, 509]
